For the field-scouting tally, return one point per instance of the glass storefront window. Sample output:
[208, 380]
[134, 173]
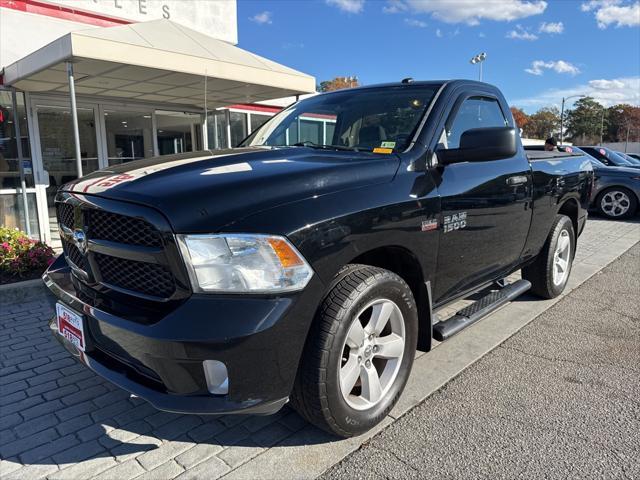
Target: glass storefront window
[178, 132]
[57, 145]
[217, 129]
[312, 131]
[129, 135]
[257, 120]
[238, 127]
[9, 165]
[12, 212]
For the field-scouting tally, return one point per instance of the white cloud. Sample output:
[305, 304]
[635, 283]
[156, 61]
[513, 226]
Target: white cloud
[262, 18]
[412, 22]
[551, 27]
[349, 6]
[614, 12]
[559, 66]
[481, 35]
[619, 90]
[394, 6]
[591, 5]
[521, 33]
[606, 84]
[469, 11]
[439, 33]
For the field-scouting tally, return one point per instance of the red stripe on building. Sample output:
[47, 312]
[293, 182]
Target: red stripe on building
[62, 12]
[255, 108]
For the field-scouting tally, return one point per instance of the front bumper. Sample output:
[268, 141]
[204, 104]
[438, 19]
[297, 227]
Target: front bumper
[259, 339]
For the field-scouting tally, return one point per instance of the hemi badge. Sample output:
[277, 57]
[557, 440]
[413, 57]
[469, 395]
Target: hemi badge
[428, 225]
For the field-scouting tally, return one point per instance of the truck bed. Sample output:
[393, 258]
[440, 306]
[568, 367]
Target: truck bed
[533, 155]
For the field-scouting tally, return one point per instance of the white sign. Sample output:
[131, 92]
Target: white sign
[216, 18]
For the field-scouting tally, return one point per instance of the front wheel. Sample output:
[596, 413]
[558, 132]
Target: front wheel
[359, 353]
[550, 270]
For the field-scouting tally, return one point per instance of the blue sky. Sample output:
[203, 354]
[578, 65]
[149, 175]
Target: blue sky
[537, 51]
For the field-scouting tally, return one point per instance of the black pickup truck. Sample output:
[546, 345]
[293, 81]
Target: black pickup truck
[308, 264]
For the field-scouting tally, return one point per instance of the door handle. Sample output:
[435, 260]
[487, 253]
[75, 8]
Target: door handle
[517, 180]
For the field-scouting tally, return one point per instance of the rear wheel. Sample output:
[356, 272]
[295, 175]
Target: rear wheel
[617, 202]
[359, 353]
[550, 271]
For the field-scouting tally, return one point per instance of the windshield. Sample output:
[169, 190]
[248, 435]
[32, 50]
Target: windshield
[617, 159]
[629, 158]
[372, 119]
[606, 156]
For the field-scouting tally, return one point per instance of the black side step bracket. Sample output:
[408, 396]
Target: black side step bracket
[477, 310]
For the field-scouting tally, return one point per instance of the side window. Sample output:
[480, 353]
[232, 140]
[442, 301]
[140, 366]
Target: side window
[475, 112]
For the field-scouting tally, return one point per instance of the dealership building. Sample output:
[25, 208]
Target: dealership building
[91, 83]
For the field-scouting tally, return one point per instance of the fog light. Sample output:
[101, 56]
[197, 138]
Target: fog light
[217, 378]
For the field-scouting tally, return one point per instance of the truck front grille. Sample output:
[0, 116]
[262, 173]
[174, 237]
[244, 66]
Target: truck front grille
[74, 254]
[146, 278]
[65, 214]
[122, 229]
[112, 240]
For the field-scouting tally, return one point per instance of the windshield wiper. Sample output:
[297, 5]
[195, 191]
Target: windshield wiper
[310, 144]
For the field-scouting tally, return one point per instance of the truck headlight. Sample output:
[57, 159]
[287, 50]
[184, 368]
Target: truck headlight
[238, 263]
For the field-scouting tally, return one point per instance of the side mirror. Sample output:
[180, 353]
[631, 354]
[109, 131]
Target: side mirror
[482, 145]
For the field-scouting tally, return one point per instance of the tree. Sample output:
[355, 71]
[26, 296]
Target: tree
[623, 118]
[338, 83]
[543, 124]
[519, 117]
[585, 121]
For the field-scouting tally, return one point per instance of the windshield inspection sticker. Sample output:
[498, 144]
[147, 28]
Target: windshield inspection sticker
[388, 144]
[382, 150]
[457, 221]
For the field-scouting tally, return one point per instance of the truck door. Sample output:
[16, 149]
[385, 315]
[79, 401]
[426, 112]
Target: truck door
[486, 205]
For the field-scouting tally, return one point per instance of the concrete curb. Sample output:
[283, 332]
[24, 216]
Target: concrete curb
[22, 291]
[309, 452]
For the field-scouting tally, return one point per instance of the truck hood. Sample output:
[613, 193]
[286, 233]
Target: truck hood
[204, 191]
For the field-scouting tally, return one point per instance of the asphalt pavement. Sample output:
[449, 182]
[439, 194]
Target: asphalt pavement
[560, 399]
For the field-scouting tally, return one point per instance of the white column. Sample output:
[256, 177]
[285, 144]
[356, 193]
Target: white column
[74, 117]
[227, 118]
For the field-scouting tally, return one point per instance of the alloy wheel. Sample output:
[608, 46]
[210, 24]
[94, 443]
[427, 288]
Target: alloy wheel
[615, 203]
[561, 258]
[372, 354]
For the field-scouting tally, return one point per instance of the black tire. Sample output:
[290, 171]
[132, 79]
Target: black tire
[317, 394]
[633, 202]
[540, 272]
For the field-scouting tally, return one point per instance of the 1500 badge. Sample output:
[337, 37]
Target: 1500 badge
[457, 221]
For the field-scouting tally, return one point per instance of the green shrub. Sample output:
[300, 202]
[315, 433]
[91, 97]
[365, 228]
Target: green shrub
[22, 257]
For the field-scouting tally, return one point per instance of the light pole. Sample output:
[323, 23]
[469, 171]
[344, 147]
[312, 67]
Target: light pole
[602, 124]
[562, 116]
[479, 59]
[626, 142]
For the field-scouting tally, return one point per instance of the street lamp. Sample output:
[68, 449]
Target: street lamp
[562, 116]
[602, 124]
[479, 59]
